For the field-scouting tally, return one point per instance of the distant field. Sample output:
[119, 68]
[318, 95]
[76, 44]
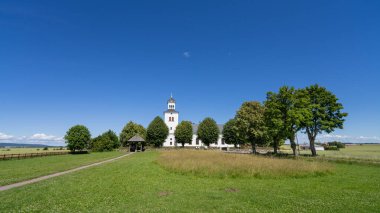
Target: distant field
[369, 152]
[12, 171]
[138, 183]
[27, 150]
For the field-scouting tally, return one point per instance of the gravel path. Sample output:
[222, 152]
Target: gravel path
[35, 180]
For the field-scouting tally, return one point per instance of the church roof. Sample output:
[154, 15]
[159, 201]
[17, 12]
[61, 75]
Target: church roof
[171, 100]
[195, 128]
[136, 138]
[171, 110]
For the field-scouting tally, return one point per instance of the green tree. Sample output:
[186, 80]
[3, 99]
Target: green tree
[323, 113]
[113, 137]
[101, 143]
[157, 132]
[131, 129]
[230, 134]
[208, 131]
[184, 133]
[78, 138]
[284, 114]
[250, 124]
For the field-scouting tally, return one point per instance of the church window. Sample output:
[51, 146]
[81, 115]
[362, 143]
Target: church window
[171, 128]
[197, 142]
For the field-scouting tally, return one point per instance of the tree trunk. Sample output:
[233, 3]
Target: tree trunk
[311, 135]
[183, 145]
[312, 147]
[293, 145]
[253, 144]
[275, 146]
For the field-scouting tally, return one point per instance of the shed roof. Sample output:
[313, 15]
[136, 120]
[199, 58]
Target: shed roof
[136, 138]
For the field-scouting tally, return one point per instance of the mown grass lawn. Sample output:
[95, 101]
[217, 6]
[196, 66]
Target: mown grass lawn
[12, 171]
[138, 184]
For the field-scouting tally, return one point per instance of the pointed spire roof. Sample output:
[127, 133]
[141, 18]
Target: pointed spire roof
[171, 99]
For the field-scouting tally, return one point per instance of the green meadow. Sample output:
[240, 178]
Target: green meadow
[144, 183]
[12, 171]
[28, 150]
[365, 152]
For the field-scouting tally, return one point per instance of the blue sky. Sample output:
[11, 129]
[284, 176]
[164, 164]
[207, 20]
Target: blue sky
[103, 63]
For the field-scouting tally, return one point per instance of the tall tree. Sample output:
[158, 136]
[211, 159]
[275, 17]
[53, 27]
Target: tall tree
[284, 113]
[157, 132]
[78, 138]
[184, 133]
[230, 134]
[104, 142]
[250, 124]
[113, 137]
[131, 129]
[208, 131]
[323, 113]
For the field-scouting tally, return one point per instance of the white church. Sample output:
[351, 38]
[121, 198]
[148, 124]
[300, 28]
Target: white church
[171, 117]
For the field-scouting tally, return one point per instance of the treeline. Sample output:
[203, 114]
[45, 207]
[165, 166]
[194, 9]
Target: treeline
[312, 110]
[78, 138]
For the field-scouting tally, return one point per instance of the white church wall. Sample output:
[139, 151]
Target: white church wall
[172, 125]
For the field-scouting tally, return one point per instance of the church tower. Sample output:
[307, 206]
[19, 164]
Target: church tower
[171, 120]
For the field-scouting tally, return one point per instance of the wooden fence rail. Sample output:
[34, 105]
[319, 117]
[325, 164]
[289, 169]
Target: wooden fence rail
[29, 155]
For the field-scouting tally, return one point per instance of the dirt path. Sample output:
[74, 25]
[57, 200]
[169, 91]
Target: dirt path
[35, 180]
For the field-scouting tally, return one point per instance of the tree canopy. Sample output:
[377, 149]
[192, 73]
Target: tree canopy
[250, 124]
[105, 142]
[78, 138]
[157, 132]
[283, 114]
[230, 134]
[208, 131]
[184, 133]
[323, 113]
[131, 129]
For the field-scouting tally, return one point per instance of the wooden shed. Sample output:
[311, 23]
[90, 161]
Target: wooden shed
[136, 143]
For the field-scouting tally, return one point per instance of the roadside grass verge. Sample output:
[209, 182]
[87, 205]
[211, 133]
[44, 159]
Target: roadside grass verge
[216, 163]
[13, 171]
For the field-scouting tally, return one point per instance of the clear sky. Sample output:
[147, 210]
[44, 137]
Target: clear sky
[103, 63]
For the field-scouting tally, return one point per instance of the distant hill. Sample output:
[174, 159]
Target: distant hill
[22, 145]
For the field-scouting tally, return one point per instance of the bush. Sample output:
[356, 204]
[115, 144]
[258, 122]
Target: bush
[45, 148]
[105, 142]
[340, 145]
[331, 148]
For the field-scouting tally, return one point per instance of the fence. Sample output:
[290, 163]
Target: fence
[29, 155]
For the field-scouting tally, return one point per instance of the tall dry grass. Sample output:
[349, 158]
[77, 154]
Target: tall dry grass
[216, 163]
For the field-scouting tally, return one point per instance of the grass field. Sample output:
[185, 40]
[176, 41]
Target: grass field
[215, 163]
[27, 150]
[369, 152]
[138, 183]
[12, 171]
